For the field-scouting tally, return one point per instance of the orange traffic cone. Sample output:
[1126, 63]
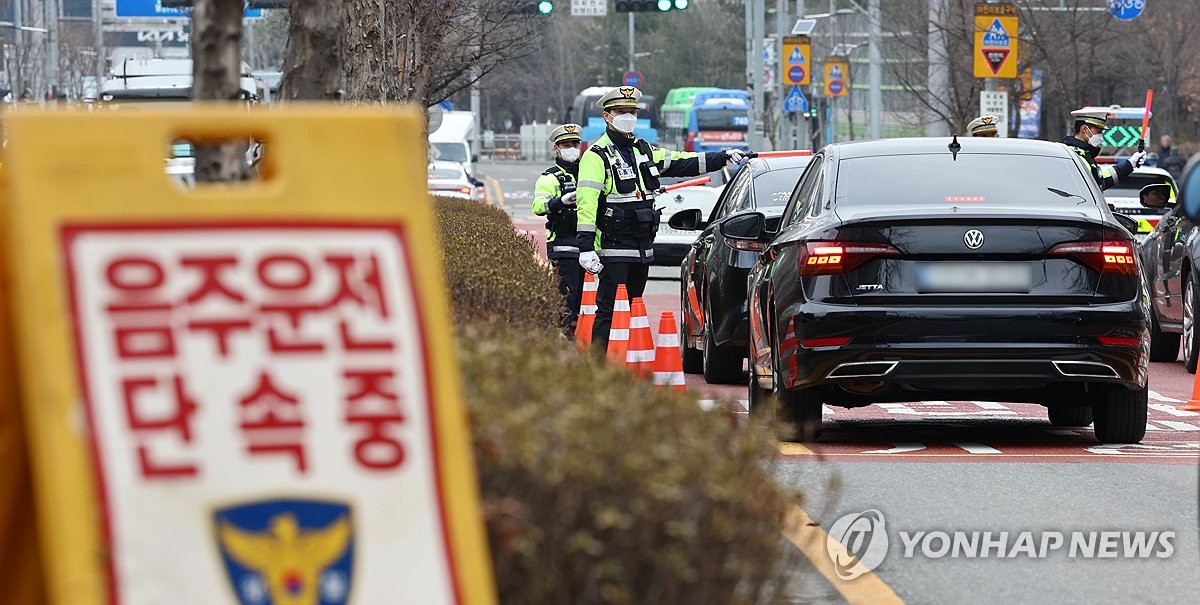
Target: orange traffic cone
[668, 363]
[587, 312]
[640, 357]
[618, 332]
[1193, 404]
[697, 312]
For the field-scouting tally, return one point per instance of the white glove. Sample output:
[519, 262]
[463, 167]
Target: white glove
[568, 199]
[1137, 158]
[590, 261]
[733, 157]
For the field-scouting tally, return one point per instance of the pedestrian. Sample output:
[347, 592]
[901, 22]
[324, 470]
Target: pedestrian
[618, 179]
[984, 126]
[1088, 137]
[554, 198]
[1169, 158]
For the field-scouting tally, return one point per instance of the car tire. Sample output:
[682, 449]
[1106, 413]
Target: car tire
[760, 398]
[693, 360]
[1191, 346]
[1164, 346]
[721, 366]
[1070, 416]
[799, 415]
[1121, 416]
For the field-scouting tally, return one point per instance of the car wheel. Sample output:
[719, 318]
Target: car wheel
[1164, 346]
[760, 398]
[1190, 344]
[799, 415]
[693, 359]
[1070, 416]
[1121, 416]
[721, 366]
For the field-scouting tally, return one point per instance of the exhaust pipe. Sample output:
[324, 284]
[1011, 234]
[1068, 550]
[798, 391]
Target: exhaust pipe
[863, 369]
[1089, 369]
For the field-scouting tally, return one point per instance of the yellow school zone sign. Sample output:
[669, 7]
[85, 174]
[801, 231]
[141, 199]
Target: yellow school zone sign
[241, 393]
[996, 40]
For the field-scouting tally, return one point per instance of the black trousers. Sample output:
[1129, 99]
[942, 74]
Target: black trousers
[634, 276]
[570, 285]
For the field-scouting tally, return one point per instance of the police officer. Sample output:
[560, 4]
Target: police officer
[984, 126]
[1089, 128]
[618, 177]
[554, 198]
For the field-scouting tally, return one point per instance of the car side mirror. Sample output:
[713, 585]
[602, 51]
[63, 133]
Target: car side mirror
[687, 220]
[746, 226]
[1155, 197]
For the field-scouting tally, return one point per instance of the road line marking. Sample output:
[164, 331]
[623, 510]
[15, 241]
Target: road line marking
[900, 448]
[827, 410]
[1179, 426]
[1172, 410]
[1158, 397]
[936, 403]
[990, 405]
[1151, 427]
[499, 192]
[792, 449]
[808, 536]
[978, 448]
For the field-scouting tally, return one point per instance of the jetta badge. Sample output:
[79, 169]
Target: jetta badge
[973, 239]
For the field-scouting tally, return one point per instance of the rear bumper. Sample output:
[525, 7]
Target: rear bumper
[969, 351]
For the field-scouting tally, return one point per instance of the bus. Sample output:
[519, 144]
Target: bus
[718, 120]
[675, 112]
[583, 111]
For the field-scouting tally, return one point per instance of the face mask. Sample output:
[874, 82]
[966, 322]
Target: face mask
[1096, 140]
[569, 154]
[625, 123]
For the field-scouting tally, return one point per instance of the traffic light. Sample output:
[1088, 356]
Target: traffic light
[636, 6]
[666, 5]
[545, 7]
[537, 7]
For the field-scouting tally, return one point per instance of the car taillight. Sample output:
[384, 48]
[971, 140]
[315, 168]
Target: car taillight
[746, 245]
[466, 190]
[816, 343]
[1119, 341]
[821, 258]
[1105, 257]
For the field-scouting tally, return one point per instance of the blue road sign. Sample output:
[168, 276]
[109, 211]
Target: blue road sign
[152, 9]
[836, 73]
[634, 79]
[796, 73]
[835, 87]
[797, 57]
[1126, 10]
[795, 102]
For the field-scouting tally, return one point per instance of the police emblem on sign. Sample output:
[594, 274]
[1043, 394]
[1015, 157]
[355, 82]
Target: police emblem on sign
[287, 552]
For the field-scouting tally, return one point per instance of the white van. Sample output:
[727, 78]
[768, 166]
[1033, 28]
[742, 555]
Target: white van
[451, 142]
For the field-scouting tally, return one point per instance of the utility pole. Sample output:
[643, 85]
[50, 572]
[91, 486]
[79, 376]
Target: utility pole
[50, 15]
[631, 40]
[939, 69]
[98, 42]
[799, 124]
[19, 48]
[831, 103]
[782, 120]
[874, 72]
[756, 14]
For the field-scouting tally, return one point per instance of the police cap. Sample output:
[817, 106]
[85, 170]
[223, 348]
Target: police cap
[623, 96]
[566, 133]
[984, 126]
[1092, 116]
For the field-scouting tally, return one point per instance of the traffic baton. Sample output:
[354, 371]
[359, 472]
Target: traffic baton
[688, 183]
[1145, 118]
[795, 153]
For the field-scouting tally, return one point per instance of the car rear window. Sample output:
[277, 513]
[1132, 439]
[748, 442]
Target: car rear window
[986, 179]
[773, 189]
[444, 174]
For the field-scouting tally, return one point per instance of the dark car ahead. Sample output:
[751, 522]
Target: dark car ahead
[920, 269]
[713, 274]
[1170, 255]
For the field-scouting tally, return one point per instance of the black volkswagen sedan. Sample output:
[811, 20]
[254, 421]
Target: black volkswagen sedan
[933, 269]
[713, 274]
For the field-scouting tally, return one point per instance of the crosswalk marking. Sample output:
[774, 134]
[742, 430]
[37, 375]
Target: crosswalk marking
[989, 405]
[978, 448]
[1179, 426]
[1159, 397]
[1172, 410]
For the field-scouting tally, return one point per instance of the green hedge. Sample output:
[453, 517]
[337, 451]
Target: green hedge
[598, 487]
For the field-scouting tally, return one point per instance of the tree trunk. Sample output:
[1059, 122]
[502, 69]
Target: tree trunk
[312, 66]
[216, 68]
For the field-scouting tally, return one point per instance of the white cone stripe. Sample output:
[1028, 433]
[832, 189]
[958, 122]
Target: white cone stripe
[669, 378]
[632, 356]
[668, 341]
[587, 310]
[618, 334]
[621, 305]
[639, 321]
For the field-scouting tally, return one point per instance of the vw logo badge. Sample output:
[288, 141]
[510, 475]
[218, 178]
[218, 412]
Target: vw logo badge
[973, 239]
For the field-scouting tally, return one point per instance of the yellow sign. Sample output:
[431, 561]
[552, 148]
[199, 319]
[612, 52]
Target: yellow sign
[796, 63]
[996, 33]
[238, 393]
[837, 76]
